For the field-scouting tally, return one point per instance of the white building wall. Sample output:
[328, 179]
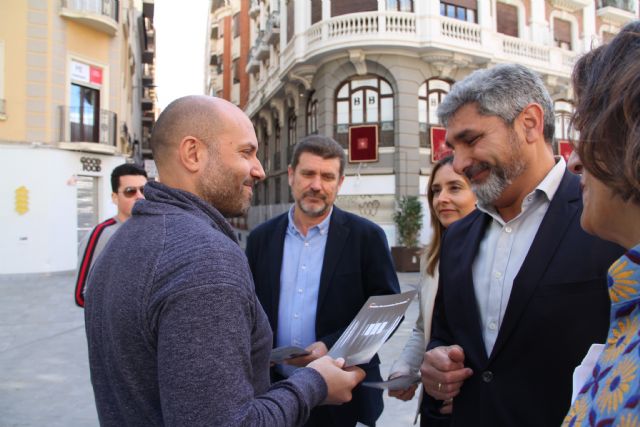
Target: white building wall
[44, 239]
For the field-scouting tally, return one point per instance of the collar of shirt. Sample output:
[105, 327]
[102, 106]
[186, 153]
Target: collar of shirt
[323, 227]
[546, 188]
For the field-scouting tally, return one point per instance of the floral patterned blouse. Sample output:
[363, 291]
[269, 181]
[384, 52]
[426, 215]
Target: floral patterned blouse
[611, 397]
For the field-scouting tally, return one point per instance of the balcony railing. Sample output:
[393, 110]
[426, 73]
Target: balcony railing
[618, 12]
[102, 15]
[87, 125]
[627, 5]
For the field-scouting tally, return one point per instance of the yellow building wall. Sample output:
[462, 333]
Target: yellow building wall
[13, 27]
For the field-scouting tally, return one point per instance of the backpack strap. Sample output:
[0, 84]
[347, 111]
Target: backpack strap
[83, 271]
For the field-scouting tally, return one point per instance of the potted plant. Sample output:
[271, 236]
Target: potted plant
[408, 220]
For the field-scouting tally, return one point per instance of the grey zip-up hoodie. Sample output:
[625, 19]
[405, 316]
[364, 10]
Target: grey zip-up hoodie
[176, 334]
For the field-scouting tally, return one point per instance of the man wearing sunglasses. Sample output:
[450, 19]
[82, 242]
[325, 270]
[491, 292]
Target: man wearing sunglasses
[127, 183]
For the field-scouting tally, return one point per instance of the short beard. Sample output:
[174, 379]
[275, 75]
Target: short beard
[310, 212]
[501, 176]
[217, 188]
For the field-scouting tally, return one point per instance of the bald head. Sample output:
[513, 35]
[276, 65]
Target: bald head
[198, 116]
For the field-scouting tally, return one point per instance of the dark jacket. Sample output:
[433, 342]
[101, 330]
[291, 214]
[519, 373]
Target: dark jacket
[357, 264]
[558, 307]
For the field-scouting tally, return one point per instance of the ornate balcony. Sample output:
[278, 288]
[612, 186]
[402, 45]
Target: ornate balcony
[617, 12]
[262, 50]
[272, 32]
[254, 9]
[253, 65]
[101, 15]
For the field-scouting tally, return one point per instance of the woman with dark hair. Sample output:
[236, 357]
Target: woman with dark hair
[450, 198]
[607, 86]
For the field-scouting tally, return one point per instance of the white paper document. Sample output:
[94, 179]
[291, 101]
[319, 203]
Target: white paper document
[402, 382]
[371, 327]
[583, 372]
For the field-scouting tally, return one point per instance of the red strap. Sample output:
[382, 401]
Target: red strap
[86, 259]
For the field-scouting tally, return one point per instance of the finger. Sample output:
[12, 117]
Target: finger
[456, 354]
[339, 362]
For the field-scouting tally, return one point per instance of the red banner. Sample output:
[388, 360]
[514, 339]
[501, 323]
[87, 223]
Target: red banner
[565, 149]
[439, 149]
[363, 143]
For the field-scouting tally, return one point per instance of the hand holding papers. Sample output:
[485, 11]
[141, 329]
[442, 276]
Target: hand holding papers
[368, 331]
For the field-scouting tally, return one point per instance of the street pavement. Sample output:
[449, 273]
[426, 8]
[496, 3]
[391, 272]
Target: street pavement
[44, 369]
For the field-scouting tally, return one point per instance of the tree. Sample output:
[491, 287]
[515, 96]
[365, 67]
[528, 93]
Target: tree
[408, 219]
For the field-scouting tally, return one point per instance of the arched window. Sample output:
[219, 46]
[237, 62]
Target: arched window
[563, 112]
[365, 100]
[292, 134]
[430, 95]
[312, 114]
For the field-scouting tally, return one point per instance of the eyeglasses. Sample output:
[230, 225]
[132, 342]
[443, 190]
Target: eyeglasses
[130, 192]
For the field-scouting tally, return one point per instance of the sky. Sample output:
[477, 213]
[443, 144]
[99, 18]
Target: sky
[181, 34]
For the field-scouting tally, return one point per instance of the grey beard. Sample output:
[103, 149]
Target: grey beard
[491, 190]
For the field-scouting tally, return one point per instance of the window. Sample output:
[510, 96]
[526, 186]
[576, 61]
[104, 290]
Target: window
[400, 5]
[312, 114]
[365, 100]
[464, 10]
[291, 14]
[276, 140]
[84, 114]
[292, 135]
[87, 204]
[430, 95]
[236, 25]
[3, 110]
[265, 145]
[562, 33]
[563, 112]
[316, 11]
[342, 7]
[507, 19]
[236, 71]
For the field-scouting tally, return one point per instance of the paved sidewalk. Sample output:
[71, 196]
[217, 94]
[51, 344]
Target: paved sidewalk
[44, 372]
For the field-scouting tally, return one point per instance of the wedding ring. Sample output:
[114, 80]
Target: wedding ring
[439, 386]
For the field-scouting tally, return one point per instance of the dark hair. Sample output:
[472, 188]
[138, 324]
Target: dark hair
[319, 145]
[431, 255]
[122, 170]
[502, 91]
[607, 112]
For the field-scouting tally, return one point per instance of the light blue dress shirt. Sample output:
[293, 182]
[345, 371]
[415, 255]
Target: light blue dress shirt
[503, 250]
[302, 260]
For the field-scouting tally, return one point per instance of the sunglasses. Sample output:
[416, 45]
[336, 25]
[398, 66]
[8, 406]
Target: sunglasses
[130, 192]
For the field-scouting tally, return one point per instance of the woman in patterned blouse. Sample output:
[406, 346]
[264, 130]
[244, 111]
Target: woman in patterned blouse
[607, 88]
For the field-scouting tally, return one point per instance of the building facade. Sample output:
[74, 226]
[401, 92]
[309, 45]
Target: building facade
[371, 74]
[77, 98]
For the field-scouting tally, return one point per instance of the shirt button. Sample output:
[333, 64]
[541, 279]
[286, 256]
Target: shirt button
[493, 326]
[306, 243]
[508, 229]
[487, 376]
[299, 290]
[304, 267]
[498, 274]
[295, 316]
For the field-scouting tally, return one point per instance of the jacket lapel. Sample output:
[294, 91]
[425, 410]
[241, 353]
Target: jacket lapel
[555, 223]
[467, 322]
[338, 233]
[275, 252]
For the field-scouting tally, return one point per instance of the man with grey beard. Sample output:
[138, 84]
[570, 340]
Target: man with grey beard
[522, 291]
[314, 267]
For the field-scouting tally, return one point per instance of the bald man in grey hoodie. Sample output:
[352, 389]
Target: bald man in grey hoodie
[176, 334]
